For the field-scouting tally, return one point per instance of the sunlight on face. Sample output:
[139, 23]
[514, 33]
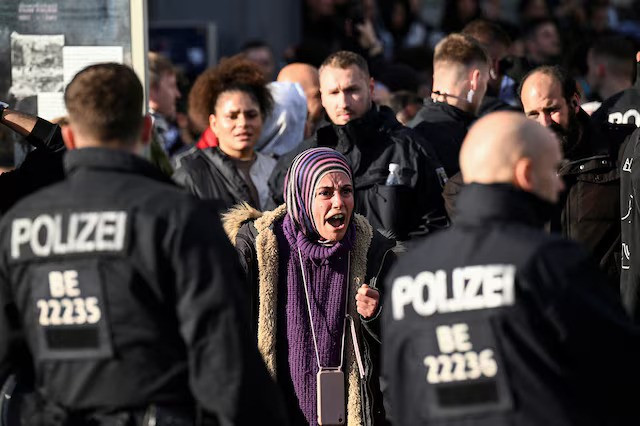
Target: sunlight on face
[332, 206]
[237, 122]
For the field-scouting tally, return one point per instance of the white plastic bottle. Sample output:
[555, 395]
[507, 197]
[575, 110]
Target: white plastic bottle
[393, 179]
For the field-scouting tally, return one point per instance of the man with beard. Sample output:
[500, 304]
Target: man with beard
[374, 143]
[590, 205]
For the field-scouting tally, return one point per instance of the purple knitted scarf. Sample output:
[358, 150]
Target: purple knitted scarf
[326, 270]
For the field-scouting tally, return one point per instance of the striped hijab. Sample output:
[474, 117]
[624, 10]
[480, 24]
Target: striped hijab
[303, 176]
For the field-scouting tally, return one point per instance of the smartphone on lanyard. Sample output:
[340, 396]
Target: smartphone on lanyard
[331, 400]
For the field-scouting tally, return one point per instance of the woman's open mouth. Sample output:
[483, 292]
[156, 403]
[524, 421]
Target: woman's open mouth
[337, 221]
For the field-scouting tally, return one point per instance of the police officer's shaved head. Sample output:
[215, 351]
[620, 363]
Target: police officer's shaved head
[307, 76]
[299, 73]
[105, 102]
[505, 147]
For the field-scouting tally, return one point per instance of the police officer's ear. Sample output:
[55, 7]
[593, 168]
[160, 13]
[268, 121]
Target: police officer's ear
[68, 136]
[147, 127]
[523, 175]
[474, 79]
[372, 85]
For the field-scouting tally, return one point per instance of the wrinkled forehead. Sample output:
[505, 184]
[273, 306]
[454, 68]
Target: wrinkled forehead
[541, 90]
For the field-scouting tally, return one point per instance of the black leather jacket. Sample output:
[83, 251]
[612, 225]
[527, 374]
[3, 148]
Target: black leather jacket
[589, 209]
[370, 143]
[443, 127]
[532, 303]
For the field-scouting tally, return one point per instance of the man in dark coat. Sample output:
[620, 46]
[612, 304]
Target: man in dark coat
[118, 291]
[460, 76]
[372, 139]
[493, 321]
[591, 203]
[589, 208]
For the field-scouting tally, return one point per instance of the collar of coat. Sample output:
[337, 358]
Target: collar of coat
[266, 248]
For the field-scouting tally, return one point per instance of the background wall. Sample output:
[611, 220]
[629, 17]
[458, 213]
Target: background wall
[275, 21]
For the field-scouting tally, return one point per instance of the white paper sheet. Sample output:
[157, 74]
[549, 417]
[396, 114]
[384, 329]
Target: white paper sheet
[75, 58]
[51, 105]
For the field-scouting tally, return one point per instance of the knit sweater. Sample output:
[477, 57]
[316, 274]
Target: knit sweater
[326, 270]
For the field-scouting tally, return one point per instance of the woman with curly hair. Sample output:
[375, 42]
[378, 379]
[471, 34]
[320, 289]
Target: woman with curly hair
[235, 99]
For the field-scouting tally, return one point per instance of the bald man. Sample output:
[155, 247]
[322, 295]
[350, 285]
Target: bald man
[590, 206]
[493, 321]
[307, 76]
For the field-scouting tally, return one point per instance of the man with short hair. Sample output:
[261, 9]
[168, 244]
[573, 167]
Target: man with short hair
[542, 42]
[501, 89]
[621, 104]
[611, 66]
[372, 139]
[260, 53]
[120, 287]
[493, 322]
[163, 95]
[460, 77]
[591, 203]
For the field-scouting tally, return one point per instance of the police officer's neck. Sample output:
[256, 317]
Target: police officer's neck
[454, 96]
[129, 147]
[452, 85]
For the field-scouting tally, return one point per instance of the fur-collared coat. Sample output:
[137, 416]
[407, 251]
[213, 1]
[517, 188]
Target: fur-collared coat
[371, 256]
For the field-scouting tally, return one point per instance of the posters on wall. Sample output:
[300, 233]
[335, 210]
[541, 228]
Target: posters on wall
[44, 43]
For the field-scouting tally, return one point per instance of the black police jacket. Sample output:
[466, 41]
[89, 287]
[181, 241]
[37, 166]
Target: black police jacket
[494, 322]
[123, 289]
[621, 108]
[443, 127]
[370, 143]
[40, 167]
[589, 208]
[591, 201]
[629, 221]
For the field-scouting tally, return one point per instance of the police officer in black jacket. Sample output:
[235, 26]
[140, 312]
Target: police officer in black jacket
[493, 321]
[118, 291]
[372, 139]
[621, 107]
[460, 76]
[629, 221]
[589, 208]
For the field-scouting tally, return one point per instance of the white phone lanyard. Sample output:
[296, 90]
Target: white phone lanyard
[344, 322]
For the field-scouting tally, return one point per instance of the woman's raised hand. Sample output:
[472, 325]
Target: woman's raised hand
[367, 301]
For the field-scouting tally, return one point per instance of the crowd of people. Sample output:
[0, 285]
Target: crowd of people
[406, 224]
